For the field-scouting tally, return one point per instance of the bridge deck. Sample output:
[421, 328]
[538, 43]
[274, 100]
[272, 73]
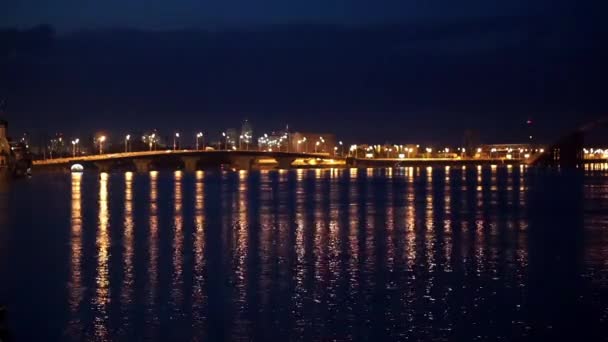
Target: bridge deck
[177, 153]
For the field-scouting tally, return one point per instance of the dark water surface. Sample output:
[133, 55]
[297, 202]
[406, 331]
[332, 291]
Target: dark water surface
[491, 253]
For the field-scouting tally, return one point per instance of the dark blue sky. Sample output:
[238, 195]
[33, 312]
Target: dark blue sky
[177, 14]
[371, 70]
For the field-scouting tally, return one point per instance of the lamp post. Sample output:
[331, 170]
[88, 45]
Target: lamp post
[175, 141]
[316, 145]
[225, 140]
[198, 136]
[240, 142]
[101, 139]
[127, 138]
[341, 148]
[74, 146]
[152, 140]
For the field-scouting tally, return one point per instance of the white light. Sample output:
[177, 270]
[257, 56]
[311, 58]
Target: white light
[401, 155]
[77, 168]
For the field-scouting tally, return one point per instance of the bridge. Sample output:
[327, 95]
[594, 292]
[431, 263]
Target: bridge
[189, 160]
[568, 151]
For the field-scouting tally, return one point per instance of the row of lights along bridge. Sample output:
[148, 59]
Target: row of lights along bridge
[301, 143]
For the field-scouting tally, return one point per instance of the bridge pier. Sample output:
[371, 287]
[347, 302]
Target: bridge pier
[142, 165]
[243, 163]
[103, 166]
[285, 163]
[190, 163]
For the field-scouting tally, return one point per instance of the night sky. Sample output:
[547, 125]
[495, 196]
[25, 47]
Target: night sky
[374, 71]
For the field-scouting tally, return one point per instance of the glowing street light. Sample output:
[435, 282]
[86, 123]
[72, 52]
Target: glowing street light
[74, 146]
[225, 140]
[198, 136]
[341, 148]
[101, 139]
[152, 141]
[316, 145]
[127, 138]
[175, 141]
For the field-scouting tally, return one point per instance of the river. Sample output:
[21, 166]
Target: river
[423, 253]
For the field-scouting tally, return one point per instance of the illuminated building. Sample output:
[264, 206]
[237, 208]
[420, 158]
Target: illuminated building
[246, 137]
[232, 137]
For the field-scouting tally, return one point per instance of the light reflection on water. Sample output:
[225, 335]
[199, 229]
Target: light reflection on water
[407, 253]
[75, 284]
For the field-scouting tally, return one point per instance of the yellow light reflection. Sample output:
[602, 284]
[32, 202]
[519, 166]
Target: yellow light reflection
[430, 234]
[128, 252]
[102, 280]
[178, 243]
[300, 247]
[198, 285]
[75, 286]
[390, 229]
[152, 283]
[410, 222]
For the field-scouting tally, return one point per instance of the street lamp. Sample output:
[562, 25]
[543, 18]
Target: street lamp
[152, 140]
[225, 140]
[101, 139]
[316, 145]
[341, 148]
[199, 135]
[175, 141]
[127, 138]
[240, 142]
[74, 143]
